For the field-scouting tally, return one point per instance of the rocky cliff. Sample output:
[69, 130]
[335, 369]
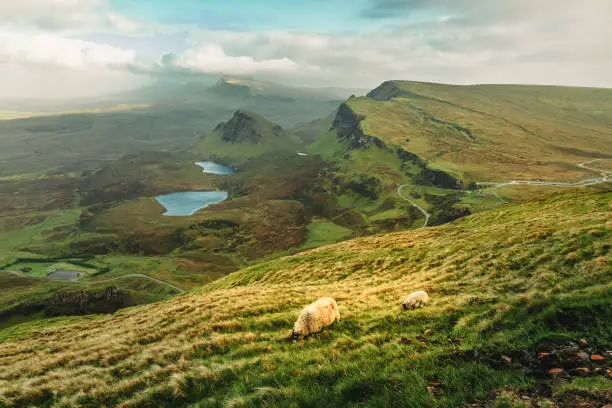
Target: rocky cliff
[247, 127]
[347, 124]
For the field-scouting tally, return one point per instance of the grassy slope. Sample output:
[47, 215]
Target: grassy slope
[493, 132]
[503, 280]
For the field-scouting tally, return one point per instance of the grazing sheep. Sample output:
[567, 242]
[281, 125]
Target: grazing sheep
[315, 316]
[416, 299]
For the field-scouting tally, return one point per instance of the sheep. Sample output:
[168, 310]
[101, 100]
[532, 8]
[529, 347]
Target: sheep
[416, 299]
[315, 316]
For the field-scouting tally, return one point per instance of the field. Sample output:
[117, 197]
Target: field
[516, 292]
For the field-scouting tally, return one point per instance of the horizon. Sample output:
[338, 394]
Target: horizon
[93, 48]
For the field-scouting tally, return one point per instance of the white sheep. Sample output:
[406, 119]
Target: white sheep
[315, 316]
[416, 299]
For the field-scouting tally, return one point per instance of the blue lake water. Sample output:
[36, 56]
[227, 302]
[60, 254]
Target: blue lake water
[215, 168]
[188, 203]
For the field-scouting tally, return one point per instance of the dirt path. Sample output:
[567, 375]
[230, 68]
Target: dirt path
[133, 275]
[418, 207]
[605, 174]
[605, 177]
[141, 276]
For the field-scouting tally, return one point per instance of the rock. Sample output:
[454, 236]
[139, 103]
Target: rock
[428, 332]
[582, 356]
[556, 371]
[583, 342]
[583, 370]
[507, 359]
[543, 355]
[597, 357]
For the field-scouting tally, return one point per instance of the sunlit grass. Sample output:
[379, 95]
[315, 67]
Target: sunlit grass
[229, 342]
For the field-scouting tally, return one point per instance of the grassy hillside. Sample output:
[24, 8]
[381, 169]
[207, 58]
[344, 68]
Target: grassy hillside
[492, 132]
[512, 292]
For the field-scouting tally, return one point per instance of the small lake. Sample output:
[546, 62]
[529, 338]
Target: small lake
[189, 203]
[215, 168]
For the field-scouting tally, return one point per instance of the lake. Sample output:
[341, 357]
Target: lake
[215, 168]
[190, 202]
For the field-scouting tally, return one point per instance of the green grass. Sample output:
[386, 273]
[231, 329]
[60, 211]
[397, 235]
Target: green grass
[11, 242]
[502, 282]
[323, 232]
[41, 269]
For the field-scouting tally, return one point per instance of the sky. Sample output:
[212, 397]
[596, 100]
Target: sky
[88, 48]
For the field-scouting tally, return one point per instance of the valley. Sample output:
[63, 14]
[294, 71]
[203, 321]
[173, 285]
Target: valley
[230, 206]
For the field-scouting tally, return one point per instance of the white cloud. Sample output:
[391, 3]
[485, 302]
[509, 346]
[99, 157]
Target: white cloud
[51, 14]
[548, 42]
[51, 49]
[42, 64]
[211, 58]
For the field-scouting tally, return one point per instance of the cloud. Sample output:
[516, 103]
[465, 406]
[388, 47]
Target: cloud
[211, 58]
[51, 14]
[478, 41]
[42, 64]
[51, 49]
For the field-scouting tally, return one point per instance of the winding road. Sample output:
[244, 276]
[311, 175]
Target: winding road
[133, 275]
[605, 174]
[418, 207]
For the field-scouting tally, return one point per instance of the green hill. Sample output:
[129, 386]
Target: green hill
[492, 132]
[519, 313]
[244, 136]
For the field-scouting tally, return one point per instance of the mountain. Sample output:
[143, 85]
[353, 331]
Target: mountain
[491, 132]
[519, 312]
[159, 119]
[245, 135]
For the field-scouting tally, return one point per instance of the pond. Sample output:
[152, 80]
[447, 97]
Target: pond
[190, 202]
[215, 168]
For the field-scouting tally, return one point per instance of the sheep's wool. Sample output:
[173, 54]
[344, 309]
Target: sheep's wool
[415, 300]
[315, 316]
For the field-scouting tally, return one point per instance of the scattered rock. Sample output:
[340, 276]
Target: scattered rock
[556, 371]
[543, 355]
[583, 342]
[582, 355]
[428, 332]
[597, 357]
[507, 359]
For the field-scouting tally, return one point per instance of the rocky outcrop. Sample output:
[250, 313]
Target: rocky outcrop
[245, 127]
[74, 303]
[83, 302]
[347, 124]
[439, 178]
[387, 91]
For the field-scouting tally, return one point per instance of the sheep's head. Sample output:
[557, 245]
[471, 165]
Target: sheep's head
[335, 311]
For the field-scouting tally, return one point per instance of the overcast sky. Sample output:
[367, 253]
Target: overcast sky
[72, 48]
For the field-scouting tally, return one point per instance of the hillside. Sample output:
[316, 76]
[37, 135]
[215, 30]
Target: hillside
[244, 136]
[513, 291]
[492, 132]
